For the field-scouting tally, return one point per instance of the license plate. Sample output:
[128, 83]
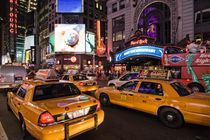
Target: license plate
[18, 78]
[78, 113]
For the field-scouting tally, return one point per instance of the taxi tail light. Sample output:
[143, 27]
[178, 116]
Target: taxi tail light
[81, 84]
[98, 105]
[45, 119]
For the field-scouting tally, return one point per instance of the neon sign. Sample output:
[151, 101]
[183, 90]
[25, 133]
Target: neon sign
[139, 42]
[140, 50]
[13, 16]
[101, 48]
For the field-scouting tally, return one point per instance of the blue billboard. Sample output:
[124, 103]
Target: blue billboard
[140, 50]
[70, 6]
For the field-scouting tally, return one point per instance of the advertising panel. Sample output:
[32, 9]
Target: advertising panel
[140, 50]
[90, 42]
[70, 6]
[70, 38]
[29, 41]
[51, 48]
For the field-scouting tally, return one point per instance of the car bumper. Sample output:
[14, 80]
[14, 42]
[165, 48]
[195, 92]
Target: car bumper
[196, 118]
[70, 129]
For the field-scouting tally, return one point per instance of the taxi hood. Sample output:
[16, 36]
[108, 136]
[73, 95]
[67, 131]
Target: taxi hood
[66, 104]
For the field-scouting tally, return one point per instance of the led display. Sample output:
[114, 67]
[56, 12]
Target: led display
[140, 50]
[51, 48]
[70, 38]
[70, 6]
[90, 42]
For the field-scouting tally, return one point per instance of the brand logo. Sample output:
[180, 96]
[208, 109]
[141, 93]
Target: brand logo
[175, 59]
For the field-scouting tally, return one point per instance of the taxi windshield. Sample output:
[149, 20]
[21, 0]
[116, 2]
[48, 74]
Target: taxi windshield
[181, 89]
[79, 77]
[50, 91]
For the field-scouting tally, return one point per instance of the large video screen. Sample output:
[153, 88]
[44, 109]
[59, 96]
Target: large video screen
[51, 48]
[70, 6]
[70, 38]
[90, 42]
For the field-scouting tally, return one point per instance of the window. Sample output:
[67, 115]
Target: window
[180, 89]
[173, 50]
[206, 15]
[129, 76]
[66, 77]
[22, 93]
[122, 4]
[118, 21]
[114, 7]
[50, 91]
[151, 88]
[91, 24]
[198, 17]
[118, 36]
[79, 77]
[129, 86]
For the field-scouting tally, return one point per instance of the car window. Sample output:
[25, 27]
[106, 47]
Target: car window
[129, 76]
[151, 88]
[21, 93]
[79, 77]
[129, 86]
[180, 89]
[65, 77]
[54, 91]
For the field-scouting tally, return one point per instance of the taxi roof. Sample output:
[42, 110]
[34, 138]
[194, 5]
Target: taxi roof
[155, 80]
[40, 82]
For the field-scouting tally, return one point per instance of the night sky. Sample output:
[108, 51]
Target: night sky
[3, 8]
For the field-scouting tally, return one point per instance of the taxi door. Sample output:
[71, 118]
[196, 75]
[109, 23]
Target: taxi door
[126, 94]
[150, 96]
[18, 100]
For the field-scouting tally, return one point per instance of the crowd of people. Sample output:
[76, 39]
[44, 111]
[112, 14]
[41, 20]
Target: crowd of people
[198, 46]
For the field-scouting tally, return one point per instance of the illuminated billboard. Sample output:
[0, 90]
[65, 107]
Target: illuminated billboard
[51, 48]
[70, 38]
[140, 50]
[90, 42]
[70, 6]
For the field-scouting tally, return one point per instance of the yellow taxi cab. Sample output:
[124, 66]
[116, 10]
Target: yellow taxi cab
[53, 110]
[169, 100]
[82, 82]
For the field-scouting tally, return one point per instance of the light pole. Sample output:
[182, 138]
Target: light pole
[94, 61]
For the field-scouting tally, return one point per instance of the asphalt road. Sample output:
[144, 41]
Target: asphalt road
[120, 124]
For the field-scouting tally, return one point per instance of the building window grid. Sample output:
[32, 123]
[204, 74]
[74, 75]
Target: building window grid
[114, 7]
[121, 4]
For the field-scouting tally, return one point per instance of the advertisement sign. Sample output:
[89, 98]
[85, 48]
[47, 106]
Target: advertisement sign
[28, 56]
[51, 48]
[70, 6]
[70, 38]
[101, 48]
[140, 50]
[33, 54]
[90, 42]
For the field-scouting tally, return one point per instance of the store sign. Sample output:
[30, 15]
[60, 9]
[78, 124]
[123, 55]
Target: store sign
[100, 48]
[139, 42]
[73, 59]
[13, 17]
[140, 50]
[175, 59]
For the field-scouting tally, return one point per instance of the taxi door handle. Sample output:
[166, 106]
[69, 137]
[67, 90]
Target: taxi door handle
[18, 103]
[144, 101]
[123, 93]
[130, 94]
[158, 99]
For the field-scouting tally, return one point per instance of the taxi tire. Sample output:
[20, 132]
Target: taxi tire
[23, 127]
[166, 114]
[104, 99]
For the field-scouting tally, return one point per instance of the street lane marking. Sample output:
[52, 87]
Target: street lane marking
[3, 135]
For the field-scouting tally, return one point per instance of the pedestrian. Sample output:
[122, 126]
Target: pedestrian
[193, 47]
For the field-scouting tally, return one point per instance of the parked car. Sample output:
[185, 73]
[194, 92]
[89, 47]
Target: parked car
[169, 100]
[91, 76]
[11, 76]
[53, 110]
[81, 81]
[123, 79]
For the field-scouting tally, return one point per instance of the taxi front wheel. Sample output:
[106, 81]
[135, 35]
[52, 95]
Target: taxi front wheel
[171, 117]
[104, 99]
